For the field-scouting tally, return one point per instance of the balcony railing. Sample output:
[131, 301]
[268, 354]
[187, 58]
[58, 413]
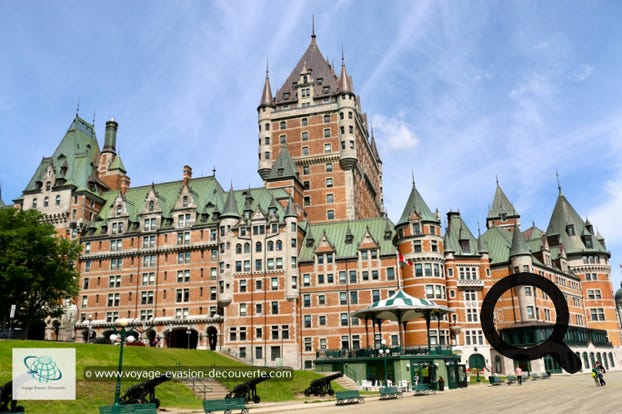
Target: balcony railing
[470, 284]
[373, 352]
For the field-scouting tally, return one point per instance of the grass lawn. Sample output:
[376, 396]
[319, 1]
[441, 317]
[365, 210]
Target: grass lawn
[171, 393]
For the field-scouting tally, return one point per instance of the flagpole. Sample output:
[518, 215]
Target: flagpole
[399, 269]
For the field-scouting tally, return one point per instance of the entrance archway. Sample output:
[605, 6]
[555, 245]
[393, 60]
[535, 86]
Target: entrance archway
[183, 338]
[212, 337]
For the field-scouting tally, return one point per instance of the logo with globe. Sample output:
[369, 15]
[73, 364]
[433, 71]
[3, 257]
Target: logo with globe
[43, 368]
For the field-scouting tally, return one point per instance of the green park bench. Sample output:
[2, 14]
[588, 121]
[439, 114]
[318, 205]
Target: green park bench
[387, 393]
[495, 380]
[423, 389]
[534, 376]
[226, 405]
[129, 409]
[348, 397]
[511, 379]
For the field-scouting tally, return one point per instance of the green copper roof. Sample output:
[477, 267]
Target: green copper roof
[231, 207]
[117, 164]
[501, 205]
[77, 152]
[336, 236]
[416, 204]
[567, 223]
[458, 237]
[499, 242]
[283, 167]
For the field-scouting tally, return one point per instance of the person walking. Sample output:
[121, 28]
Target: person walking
[600, 374]
[519, 375]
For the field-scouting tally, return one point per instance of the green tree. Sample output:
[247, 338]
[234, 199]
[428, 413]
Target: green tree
[37, 268]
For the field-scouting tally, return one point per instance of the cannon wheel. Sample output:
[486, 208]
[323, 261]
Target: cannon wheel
[256, 399]
[331, 392]
[307, 392]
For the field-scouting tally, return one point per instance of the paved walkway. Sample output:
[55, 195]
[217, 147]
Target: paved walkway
[559, 394]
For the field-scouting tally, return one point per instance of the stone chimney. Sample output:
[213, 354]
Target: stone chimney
[110, 140]
[187, 174]
[125, 184]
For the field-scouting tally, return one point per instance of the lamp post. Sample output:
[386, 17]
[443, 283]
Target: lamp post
[188, 332]
[89, 321]
[122, 335]
[384, 353]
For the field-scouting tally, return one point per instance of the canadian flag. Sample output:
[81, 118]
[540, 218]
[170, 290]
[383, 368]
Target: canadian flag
[401, 259]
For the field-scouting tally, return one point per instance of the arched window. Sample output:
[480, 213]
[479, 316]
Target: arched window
[34, 202]
[270, 246]
[258, 246]
[46, 201]
[238, 248]
[247, 247]
[279, 245]
[151, 205]
[185, 201]
[58, 200]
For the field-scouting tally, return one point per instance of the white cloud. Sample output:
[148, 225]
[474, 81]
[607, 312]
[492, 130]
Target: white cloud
[535, 85]
[582, 72]
[394, 133]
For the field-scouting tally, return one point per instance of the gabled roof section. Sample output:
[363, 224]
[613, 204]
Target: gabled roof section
[567, 223]
[283, 167]
[416, 205]
[76, 155]
[207, 193]
[336, 232]
[313, 60]
[458, 237]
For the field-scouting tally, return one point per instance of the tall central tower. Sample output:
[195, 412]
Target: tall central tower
[317, 116]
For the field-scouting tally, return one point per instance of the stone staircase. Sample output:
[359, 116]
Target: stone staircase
[346, 382]
[207, 388]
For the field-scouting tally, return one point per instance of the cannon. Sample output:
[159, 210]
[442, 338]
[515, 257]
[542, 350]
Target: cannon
[321, 386]
[144, 393]
[248, 389]
[7, 403]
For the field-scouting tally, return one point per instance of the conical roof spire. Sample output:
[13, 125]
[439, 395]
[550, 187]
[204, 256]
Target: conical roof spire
[519, 245]
[231, 206]
[266, 95]
[416, 203]
[344, 81]
[290, 211]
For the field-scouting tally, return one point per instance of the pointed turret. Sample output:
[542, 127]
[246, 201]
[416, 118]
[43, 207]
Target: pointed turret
[519, 246]
[290, 211]
[502, 213]
[283, 168]
[566, 227]
[416, 205]
[266, 95]
[345, 83]
[231, 206]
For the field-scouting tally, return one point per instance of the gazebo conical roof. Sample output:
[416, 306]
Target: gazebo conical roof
[401, 307]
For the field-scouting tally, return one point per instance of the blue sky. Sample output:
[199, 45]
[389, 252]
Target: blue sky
[459, 93]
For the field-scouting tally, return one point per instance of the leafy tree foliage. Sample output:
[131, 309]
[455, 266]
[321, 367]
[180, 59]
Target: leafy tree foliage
[37, 269]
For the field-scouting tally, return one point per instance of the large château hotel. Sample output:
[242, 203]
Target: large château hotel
[272, 275]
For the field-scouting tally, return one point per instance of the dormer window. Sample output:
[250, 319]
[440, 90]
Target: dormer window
[570, 230]
[503, 216]
[185, 201]
[119, 209]
[151, 205]
[464, 245]
[48, 186]
[286, 95]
